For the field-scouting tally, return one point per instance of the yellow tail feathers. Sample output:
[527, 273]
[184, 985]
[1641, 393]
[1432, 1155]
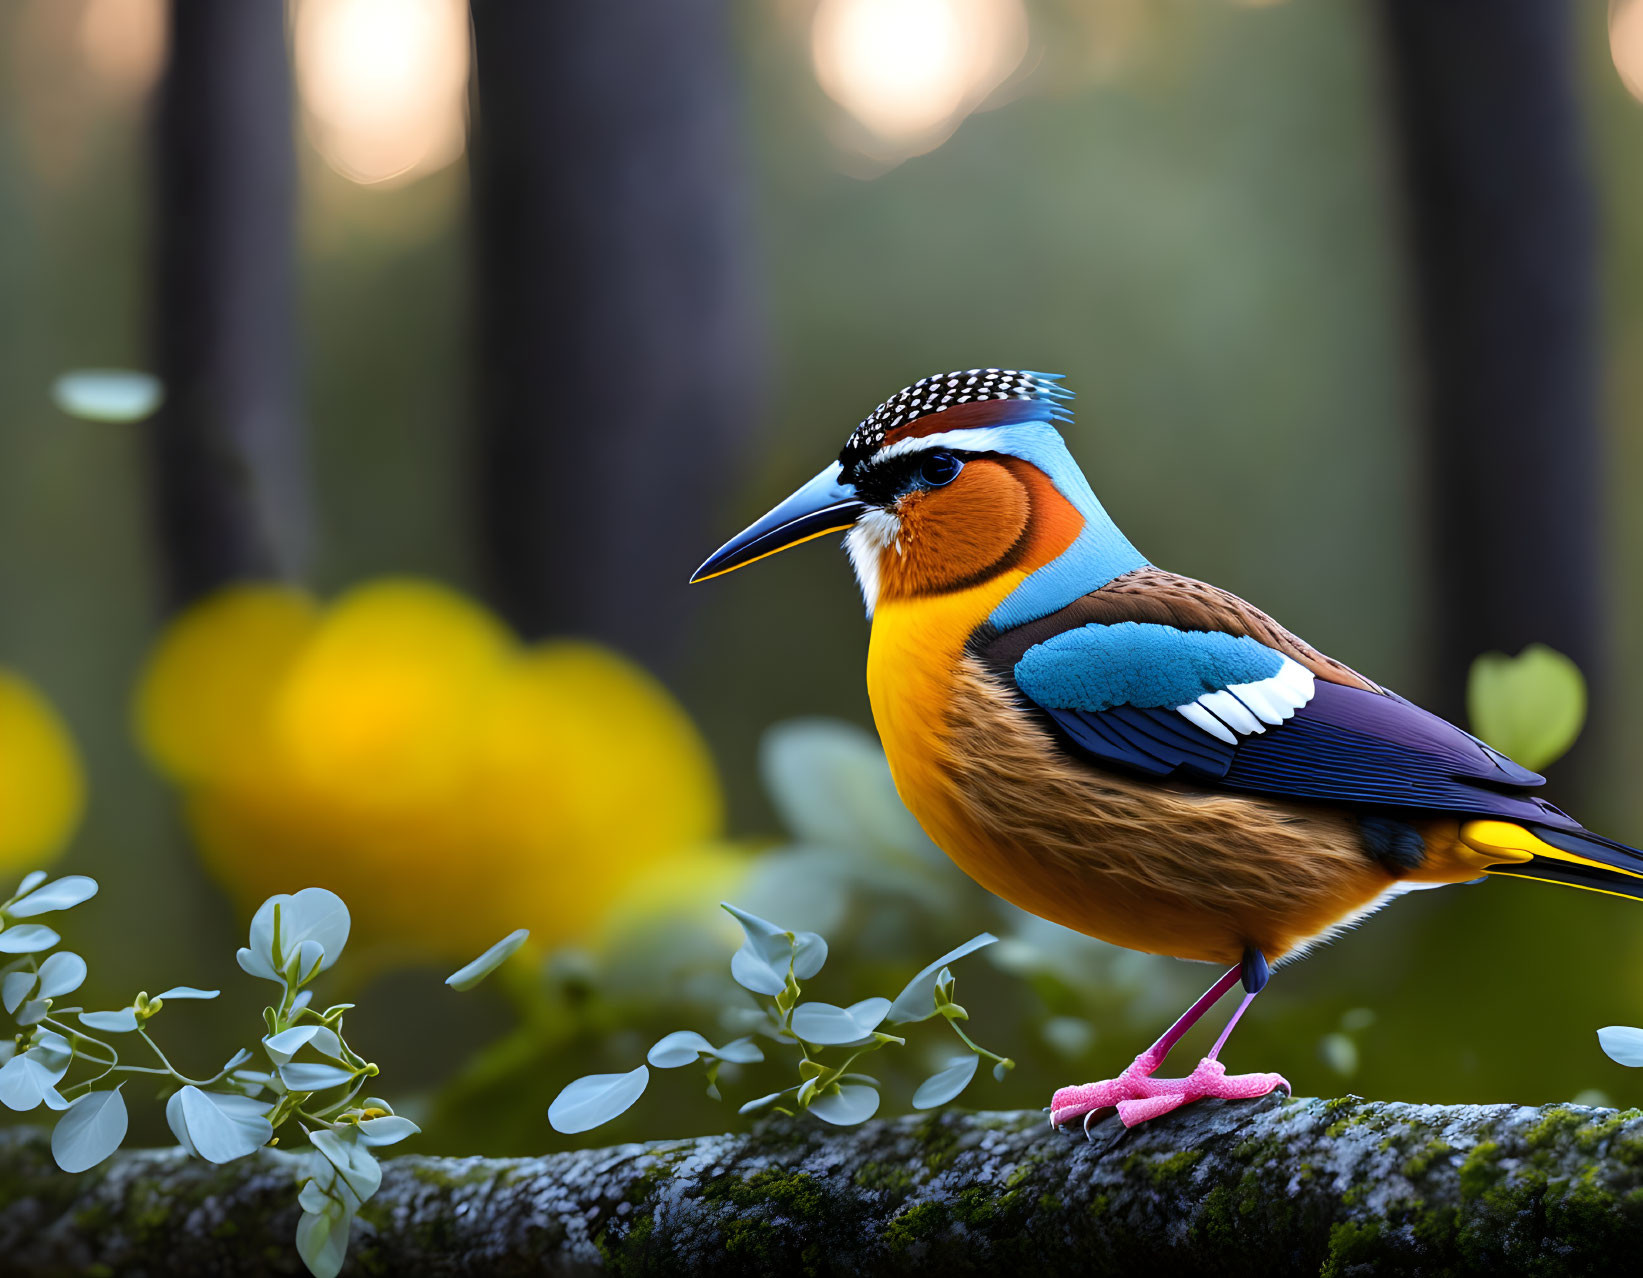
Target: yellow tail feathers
[1519, 852]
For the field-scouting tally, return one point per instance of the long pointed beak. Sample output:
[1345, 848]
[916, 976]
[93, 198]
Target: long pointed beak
[826, 504]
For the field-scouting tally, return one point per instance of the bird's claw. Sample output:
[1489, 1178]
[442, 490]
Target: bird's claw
[1137, 1096]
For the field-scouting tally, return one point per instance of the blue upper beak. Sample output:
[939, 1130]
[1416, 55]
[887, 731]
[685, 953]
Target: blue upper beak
[826, 504]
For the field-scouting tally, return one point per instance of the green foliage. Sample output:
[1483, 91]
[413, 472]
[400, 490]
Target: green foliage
[771, 965]
[60, 1059]
[1530, 707]
[470, 975]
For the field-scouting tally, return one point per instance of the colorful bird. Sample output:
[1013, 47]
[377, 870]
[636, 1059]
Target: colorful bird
[1130, 753]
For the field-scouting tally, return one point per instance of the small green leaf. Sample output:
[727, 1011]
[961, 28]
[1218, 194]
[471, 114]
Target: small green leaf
[762, 962]
[596, 1099]
[30, 938]
[123, 1021]
[1623, 1044]
[465, 978]
[16, 987]
[917, 1001]
[60, 894]
[322, 1239]
[62, 973]
[217, 1126]
[187, 991]
[846, 1105]
[30, 1079]
[355, 1164]
[682, 1047]
[387, 1130]
[313, 914]
[1530, 707]
[89, 1131]
[827, 1025]
[313, 1076]
[740, 1051]
[941, 1087]
[107, 394]
[765, 1102]
[283, 1046]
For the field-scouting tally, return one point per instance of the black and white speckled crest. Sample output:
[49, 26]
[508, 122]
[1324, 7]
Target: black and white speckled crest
[947, 390]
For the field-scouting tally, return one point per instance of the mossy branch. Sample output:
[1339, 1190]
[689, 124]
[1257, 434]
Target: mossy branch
[1304, 1187]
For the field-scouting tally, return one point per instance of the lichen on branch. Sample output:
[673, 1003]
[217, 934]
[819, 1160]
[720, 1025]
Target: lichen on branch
[1307, 1186]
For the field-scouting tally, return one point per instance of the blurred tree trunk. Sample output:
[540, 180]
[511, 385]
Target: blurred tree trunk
[225, 453]
[1500, 220]
[619, 358]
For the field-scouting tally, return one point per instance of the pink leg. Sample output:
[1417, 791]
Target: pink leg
[1138, 1096]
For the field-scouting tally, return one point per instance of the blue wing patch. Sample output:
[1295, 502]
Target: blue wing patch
[1138, 663]
[1204, 706]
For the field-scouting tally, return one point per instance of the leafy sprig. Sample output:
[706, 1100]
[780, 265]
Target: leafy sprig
[66, 1059]
[772, 964]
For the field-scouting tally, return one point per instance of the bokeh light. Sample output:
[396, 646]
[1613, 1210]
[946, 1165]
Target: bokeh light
[42, 787]
[123, 41]
[909, 70]
[1626, 43]
[384, 84]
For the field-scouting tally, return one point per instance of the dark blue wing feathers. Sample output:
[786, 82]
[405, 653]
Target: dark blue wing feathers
[1347, 745]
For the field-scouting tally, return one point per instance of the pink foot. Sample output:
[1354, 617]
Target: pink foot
[1138, 1096]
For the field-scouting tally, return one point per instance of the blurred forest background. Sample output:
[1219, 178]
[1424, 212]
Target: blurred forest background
[481, 327]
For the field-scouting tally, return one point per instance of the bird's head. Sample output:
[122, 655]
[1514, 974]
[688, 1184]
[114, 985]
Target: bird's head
[948, 483]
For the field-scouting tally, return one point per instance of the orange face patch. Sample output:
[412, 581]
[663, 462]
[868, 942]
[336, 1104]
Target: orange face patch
[999, 513]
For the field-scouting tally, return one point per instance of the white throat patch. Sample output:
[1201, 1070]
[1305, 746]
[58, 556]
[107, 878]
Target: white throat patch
[873, 534]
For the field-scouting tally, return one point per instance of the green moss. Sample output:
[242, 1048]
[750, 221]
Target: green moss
[915, 1225]
[1420, 1162]
[93, 1219]
[1216, 1224]
[1480, 1170]
[888, 1177]
[754, 1239]
[1433, 1227]
[1551, 1127]
[1174, 1167]
[1350, 1243]
[798, 1195]
[1259, 1150]
[1597, 1131]
[147, 1210]
[646, 1183]
[435, 1175]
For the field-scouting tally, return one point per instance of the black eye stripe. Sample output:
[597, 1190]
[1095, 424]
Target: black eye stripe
[881, 482]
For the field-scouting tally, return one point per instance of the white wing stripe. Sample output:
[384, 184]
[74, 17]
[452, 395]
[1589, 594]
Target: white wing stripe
[1245, 708]
[1231, 711]
[1208, 722]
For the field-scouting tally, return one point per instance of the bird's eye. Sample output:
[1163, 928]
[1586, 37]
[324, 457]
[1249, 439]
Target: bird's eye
[939, 468]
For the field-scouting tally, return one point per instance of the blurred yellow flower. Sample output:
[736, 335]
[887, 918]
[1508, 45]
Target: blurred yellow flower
[42, 788]
[402, 750]
[205, 703]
